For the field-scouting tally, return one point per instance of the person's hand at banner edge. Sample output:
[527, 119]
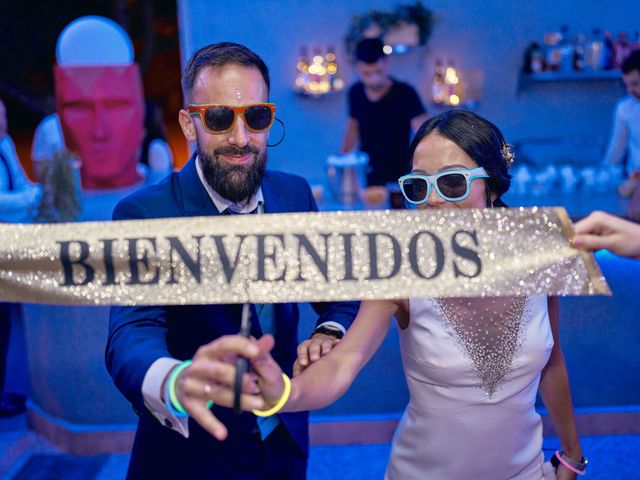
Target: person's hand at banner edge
[601, 230]
[211, 377]
[312, 350]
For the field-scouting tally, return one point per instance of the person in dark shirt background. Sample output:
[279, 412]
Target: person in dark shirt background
[382, 114]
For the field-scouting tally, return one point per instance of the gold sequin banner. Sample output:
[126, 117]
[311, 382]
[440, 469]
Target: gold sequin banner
[296, 257]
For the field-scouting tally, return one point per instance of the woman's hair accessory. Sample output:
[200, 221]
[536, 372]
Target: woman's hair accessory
[507, 154]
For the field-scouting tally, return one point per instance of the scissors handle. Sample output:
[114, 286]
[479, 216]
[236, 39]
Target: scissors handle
[242, 364]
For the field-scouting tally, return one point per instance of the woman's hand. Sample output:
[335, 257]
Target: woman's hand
[563, 473]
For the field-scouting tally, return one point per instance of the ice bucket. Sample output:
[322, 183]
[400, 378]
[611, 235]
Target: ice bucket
[347, 176]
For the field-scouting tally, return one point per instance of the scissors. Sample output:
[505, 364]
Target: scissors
[242, 363]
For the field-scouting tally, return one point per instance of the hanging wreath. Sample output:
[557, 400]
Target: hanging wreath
[407, 25]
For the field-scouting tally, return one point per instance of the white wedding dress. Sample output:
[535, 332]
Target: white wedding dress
[473, 376]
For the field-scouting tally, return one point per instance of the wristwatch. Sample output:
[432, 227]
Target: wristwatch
[577, 467]
[328, 330]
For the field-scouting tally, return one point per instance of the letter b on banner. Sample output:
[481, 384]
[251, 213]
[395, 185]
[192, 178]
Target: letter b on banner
[68, 263]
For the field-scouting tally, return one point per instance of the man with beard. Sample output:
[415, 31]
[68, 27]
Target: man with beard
[382, 114]
[169, 361]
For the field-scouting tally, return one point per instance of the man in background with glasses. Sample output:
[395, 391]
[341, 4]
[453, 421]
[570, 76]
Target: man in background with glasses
[382, 114]
[228, 116]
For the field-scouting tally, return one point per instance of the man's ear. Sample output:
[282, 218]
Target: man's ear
[187, 125]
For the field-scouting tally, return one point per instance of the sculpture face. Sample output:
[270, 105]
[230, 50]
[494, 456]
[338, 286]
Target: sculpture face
[101, 112]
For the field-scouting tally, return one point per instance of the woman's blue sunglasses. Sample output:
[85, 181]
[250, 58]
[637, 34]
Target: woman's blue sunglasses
[451, 185]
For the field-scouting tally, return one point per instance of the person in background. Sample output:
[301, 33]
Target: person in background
[166, 360]
[10, 403]
[155, 153]
[625, 135]
[17, 192]
[602, 230]
[383, 112]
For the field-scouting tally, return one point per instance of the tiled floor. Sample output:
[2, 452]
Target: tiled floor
[610, 458]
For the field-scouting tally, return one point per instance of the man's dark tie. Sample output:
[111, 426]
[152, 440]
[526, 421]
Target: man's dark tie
[5, 164]
[228, 211]
[265, 314]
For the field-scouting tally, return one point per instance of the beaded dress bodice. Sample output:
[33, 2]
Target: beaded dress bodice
[472, 367]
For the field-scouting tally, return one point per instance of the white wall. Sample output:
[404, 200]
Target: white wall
[488, 35]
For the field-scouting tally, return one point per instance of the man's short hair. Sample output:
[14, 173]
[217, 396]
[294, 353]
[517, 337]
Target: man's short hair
[631, 63]
[369, 50]
[218, 55]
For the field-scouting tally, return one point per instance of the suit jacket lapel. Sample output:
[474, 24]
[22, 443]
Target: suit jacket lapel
[273, 201]
[193, 198]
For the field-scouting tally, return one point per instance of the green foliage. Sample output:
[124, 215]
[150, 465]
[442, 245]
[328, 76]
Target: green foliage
[416, 13]
[60, 196]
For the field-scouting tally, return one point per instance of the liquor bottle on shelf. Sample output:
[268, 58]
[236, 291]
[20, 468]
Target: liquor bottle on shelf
[437, 83]
[594, 51]
[454, 87]
[332, 68]
[621, 49]
[533, 59]
[302, 70]
[579, 52]
[608, 59]
[565, 50]
[319, 83]
[553, 55]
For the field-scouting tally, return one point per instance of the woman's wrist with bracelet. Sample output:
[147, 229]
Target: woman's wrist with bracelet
[578, 467]
[282, 401]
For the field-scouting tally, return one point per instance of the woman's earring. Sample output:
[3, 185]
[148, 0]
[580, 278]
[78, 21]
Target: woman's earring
[489, 199]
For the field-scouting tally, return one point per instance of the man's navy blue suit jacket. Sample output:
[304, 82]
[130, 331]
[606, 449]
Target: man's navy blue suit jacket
[140, 335]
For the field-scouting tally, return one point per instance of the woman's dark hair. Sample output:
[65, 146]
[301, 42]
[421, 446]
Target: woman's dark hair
[478, 138]
[219, 55]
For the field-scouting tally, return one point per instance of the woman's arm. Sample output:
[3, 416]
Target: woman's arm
[326, 380]
[554, 390]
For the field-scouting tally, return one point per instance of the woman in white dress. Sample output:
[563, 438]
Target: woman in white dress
[473, 366]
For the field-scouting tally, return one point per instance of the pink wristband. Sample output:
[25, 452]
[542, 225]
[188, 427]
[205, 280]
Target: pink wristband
[567, 465]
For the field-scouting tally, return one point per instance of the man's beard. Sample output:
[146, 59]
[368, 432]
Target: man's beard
[233, 182]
